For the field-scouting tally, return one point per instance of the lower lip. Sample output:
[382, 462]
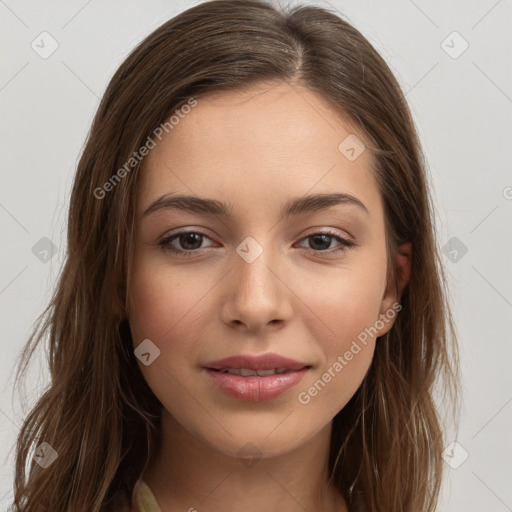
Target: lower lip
[255, 388]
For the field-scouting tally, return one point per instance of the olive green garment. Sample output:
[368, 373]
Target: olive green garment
[143, 498]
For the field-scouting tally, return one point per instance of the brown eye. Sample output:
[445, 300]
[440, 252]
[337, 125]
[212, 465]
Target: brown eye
[321, 242]
[188, 242]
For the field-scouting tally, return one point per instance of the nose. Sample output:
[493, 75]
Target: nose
[256, 294]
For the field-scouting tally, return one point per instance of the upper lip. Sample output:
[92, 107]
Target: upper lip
[262, 362]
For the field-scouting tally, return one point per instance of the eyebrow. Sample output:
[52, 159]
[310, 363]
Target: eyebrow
[296, 206]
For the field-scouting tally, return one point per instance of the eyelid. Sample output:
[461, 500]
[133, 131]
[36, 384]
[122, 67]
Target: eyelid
[165, 240]
[329, 231]
[311, 231]
[182, 231]
[345, 243]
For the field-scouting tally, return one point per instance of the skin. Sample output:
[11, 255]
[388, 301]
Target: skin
[255, 149]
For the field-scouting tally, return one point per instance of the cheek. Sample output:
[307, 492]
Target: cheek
[171, 309]
[164, 301]
[347, 355]
[343, 303]
[168, 308]
[343, 309]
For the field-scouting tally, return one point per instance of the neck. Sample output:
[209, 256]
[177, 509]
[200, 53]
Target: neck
[189, 475]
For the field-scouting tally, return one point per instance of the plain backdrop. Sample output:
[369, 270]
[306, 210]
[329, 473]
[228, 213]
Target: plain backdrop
[451, 60]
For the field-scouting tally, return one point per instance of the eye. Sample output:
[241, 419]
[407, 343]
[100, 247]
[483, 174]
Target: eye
[190, 242]
[321, 241]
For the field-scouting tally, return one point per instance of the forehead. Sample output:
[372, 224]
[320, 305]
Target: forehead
[263, 142]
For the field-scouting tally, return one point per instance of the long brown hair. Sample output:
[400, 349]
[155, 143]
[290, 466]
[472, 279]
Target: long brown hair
[98, 413]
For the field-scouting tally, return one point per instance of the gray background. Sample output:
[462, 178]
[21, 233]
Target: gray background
[461, 102]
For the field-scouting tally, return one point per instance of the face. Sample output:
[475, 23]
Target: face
[273, 273]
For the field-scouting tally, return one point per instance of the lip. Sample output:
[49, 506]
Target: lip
[262, 362]
[255, 388]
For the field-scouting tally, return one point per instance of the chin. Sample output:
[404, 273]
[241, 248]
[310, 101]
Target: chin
[257, 442]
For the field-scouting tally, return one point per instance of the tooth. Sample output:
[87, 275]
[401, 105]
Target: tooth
[245, 372]
[263, 373]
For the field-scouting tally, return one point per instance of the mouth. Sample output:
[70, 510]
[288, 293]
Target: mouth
[255, 378]
[248, 372]
[245, 363]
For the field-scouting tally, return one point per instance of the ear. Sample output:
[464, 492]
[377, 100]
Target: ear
[392, 295]
[403, 266]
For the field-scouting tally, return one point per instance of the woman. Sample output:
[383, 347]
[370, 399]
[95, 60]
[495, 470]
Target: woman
[252, 313]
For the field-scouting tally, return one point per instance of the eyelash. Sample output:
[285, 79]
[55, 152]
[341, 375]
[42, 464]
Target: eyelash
[166, 246]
